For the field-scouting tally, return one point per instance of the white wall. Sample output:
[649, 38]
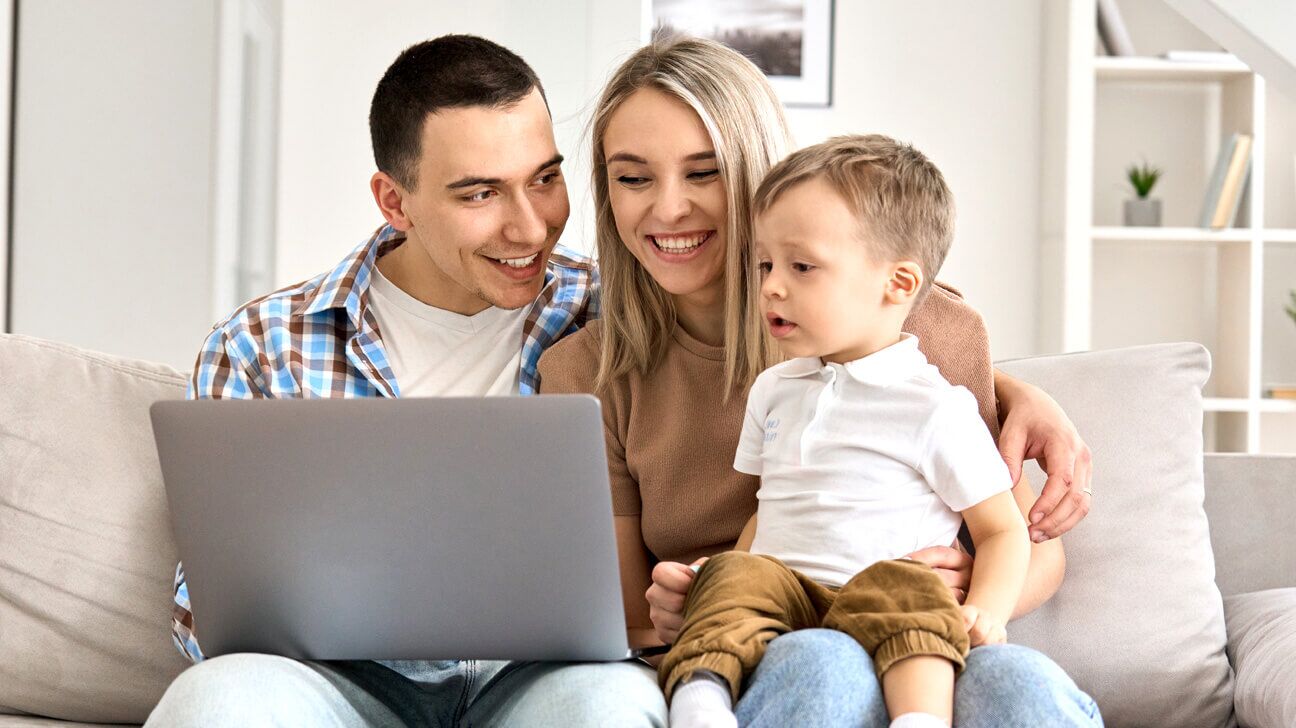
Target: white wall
[334, 52]
[112, 198]
[959, 82]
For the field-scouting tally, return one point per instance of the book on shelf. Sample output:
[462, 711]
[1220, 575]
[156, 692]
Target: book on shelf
[1112, 31]
[1280, 391]
[1227, 183]
[1200, 57]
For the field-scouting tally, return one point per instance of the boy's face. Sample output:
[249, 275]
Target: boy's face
[822, 293]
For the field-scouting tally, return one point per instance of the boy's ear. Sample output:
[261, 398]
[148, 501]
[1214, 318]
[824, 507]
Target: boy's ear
[906, 281]
[390, 196]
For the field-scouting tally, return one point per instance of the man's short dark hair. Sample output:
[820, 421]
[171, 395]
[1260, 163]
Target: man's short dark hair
[453, 71]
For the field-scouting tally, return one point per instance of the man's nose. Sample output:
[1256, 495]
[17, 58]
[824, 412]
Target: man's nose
[525, 224]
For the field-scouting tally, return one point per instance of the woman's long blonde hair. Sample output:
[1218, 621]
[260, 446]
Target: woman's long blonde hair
[745, 121]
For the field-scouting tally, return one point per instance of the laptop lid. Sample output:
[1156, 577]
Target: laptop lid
[395, 529]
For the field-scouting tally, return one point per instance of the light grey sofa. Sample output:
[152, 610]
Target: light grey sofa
[86, 552]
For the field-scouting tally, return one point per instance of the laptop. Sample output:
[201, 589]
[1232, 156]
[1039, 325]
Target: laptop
[395, 529]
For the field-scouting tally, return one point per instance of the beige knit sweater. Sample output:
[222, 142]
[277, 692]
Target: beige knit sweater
[671, 435]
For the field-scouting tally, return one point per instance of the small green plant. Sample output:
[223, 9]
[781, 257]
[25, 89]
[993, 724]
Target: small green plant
[1142, 178]
[1291, 310]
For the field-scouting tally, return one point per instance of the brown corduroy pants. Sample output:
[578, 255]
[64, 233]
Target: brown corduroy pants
[741, 601]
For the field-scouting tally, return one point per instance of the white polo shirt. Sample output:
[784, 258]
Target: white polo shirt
[863, 462]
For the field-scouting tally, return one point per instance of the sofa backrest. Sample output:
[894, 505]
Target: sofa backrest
[1138, 622]
[86, 551]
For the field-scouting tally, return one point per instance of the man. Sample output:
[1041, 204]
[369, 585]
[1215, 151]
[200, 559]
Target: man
[435, 303]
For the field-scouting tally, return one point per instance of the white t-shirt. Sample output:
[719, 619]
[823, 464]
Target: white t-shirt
[863, 462]
[438, 353]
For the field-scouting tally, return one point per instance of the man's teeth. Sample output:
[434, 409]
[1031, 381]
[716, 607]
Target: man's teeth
[679, 243]
[518, 262]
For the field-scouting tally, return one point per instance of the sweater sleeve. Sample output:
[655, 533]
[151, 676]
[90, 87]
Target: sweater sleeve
[570, 367]
[952, 335]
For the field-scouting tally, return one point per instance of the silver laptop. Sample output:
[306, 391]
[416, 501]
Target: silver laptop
[396, 529]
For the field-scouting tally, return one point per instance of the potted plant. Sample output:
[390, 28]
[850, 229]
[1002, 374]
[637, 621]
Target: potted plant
[1291, 310]
[1143, 211]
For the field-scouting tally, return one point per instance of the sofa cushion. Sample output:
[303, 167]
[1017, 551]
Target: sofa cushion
[86, 552]
[1138, 622]
[1262, 648]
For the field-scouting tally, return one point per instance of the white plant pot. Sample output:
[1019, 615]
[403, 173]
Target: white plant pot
[1143, 212]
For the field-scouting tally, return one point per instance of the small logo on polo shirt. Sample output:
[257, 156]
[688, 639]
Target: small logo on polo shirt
[771, 429]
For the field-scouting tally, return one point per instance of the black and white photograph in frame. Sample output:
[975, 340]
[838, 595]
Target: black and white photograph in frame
[790, 40]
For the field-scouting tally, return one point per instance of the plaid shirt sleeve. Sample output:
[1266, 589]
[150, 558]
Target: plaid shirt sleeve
[220, 373]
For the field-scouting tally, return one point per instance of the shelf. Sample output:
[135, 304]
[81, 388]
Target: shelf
[1278, 235]
[1242, 404]
[1226, 404]
[1138, 68]
[1175, 234]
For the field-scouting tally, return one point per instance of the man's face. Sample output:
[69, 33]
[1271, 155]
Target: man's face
[489, 204]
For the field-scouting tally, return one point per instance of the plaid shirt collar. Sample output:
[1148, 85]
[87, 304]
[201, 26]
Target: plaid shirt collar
[567, 300]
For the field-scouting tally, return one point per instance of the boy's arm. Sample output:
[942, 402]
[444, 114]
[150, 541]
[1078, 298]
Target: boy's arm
[748, 535]
[1047, 559]
[1002, 555]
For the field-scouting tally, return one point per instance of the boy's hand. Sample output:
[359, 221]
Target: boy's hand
[983, 628]
[671, 581]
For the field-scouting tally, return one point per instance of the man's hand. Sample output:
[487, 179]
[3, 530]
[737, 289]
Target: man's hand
[953, 567]
[983, 628]
[671, 581]
[1036, 428]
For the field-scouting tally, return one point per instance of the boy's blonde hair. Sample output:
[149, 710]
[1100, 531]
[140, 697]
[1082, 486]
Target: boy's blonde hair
[904, 207]
[744, 119]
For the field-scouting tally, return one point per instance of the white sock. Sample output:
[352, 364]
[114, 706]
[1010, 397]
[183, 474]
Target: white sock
[702, 701]
[919, 720]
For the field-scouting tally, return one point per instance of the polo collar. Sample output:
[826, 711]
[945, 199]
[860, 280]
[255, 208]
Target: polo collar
[882, 368]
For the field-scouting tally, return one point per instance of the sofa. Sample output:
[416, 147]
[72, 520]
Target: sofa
[1179, 606]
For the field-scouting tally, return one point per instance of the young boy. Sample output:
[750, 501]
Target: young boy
[865, 451]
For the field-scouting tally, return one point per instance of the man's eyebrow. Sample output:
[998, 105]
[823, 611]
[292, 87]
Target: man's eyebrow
[474, 181]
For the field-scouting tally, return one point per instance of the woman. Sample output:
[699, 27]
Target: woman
[682, 135]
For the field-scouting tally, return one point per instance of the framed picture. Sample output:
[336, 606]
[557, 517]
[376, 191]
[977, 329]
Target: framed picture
[790, 40]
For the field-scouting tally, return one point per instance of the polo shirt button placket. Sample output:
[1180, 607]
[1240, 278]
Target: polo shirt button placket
[822, 404]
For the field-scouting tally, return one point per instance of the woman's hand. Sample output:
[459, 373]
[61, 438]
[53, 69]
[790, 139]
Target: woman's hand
[953, 567]
[1036, 428]
[670, 584]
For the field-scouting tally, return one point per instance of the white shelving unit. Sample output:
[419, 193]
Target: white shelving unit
[1105, 285]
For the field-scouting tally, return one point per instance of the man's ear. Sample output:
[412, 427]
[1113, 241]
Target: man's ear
[390, 196]
[906, 280]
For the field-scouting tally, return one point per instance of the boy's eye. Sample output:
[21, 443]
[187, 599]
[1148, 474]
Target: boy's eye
[765, 267]
[802, 267]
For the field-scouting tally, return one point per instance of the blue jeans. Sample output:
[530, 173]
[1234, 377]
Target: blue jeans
[264, 690]
[821, 677]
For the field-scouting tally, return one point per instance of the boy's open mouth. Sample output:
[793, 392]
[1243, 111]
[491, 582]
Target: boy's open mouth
[779, 326]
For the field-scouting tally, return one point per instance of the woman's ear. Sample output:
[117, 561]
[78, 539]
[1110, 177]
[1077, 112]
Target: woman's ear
[390, 196]
[906, 281]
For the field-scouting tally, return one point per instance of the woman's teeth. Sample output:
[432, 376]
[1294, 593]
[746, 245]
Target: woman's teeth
[679, 243]
[518, 262]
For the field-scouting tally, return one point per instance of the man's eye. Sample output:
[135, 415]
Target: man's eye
[548, 178]
[479, 196]
[703, 174]
[630, 181]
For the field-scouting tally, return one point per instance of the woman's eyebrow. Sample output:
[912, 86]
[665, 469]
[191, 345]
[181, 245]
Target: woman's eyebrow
[635, 159]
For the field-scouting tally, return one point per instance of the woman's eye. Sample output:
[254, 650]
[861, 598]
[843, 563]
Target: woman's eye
[703, 174]
[630, 181]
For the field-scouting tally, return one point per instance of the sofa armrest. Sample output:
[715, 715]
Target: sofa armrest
[1262, 649]
[1251, 507]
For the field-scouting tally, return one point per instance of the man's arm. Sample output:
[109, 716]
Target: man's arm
[218, 374]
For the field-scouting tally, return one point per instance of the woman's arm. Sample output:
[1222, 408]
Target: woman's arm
[1033, 426]
[636, 577]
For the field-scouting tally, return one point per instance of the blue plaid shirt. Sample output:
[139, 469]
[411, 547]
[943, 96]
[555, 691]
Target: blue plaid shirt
[319, 339]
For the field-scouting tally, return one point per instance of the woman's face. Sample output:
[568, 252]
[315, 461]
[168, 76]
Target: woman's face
[667, 195]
